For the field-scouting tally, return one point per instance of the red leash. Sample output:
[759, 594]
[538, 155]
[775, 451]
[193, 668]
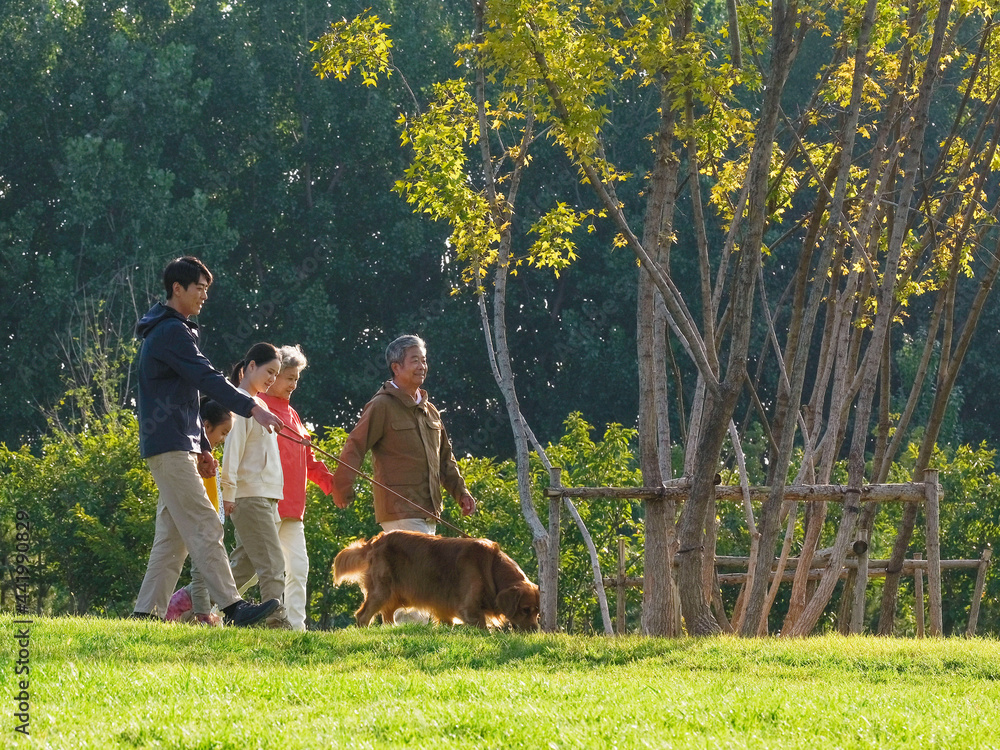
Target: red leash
[308, 444]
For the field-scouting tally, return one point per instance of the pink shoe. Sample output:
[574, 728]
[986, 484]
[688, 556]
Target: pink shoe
[211, 619]
[180, 603]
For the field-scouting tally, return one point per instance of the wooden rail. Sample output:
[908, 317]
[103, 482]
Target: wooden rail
[928, 493]
[909, 492]
[917, 567]
[726, 561]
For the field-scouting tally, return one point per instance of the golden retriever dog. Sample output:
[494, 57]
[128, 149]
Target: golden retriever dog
[464, 580]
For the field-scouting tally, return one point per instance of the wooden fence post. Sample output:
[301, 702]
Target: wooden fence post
[550, 605]
[918, 594]
[932, 512]
[977, 594]
[860, 548]
[620, 586]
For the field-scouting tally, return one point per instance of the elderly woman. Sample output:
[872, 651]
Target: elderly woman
[298, 464]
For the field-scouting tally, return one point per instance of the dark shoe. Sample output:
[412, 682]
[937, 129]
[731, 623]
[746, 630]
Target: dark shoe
[143, 616]
[244, 614]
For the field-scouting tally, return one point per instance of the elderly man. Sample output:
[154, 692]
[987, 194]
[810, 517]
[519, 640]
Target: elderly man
[409, 445]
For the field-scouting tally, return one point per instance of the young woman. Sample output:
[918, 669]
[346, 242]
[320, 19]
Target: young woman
[298, 464]
[252, 484]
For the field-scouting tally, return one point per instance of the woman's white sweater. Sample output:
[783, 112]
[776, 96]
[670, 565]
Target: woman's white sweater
[251, 463]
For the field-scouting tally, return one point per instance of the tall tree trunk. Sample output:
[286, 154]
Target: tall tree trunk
[498, 348]
[659, 594]
[790, 390]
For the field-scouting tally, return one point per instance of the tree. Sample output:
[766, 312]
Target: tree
[879, 216]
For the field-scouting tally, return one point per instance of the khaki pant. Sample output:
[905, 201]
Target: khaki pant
[291, 534]
[185, 522]
[258, 549]
[201, 602]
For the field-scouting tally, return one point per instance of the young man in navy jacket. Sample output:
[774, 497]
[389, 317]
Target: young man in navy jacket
[172, 375]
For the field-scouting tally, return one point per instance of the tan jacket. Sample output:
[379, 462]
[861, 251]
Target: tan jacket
[411, 453]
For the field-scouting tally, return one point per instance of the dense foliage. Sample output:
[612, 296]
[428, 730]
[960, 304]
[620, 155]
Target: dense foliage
[129, 135]
[91, 503]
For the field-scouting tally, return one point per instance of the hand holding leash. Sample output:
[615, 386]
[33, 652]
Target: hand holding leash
[467, 503]
[269, 421]
[463, 500]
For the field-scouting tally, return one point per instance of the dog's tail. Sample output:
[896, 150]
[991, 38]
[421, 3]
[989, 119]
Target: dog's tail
[352, 562]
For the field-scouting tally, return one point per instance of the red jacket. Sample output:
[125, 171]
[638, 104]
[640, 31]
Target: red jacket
[297, 462]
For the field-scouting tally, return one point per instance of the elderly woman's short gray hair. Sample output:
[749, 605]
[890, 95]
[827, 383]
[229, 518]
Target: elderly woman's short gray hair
[396, 351]
[292, 356]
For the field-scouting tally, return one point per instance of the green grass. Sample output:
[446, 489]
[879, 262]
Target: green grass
[111, 683]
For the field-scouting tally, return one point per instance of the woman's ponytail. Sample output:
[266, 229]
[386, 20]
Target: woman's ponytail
[237, 374]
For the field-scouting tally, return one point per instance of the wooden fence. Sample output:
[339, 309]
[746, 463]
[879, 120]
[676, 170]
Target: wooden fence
[917, 567]
[927, 493]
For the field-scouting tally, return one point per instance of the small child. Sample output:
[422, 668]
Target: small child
[193, 601]
[252, 484]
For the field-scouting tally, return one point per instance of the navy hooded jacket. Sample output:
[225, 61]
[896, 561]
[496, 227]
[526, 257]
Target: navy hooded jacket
[172, 375]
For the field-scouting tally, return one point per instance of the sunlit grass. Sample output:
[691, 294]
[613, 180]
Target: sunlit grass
[107, 683]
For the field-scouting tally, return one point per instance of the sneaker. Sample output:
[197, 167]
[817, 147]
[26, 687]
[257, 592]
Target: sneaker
[180, 603]
[143, 616]
[278, 623]
[244, 613]
[211, 619]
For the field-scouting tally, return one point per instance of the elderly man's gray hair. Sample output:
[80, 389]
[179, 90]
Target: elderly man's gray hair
[396, 351]
[292, 356]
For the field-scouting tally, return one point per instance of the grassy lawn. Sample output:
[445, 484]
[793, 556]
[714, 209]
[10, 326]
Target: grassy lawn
[109, 683]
